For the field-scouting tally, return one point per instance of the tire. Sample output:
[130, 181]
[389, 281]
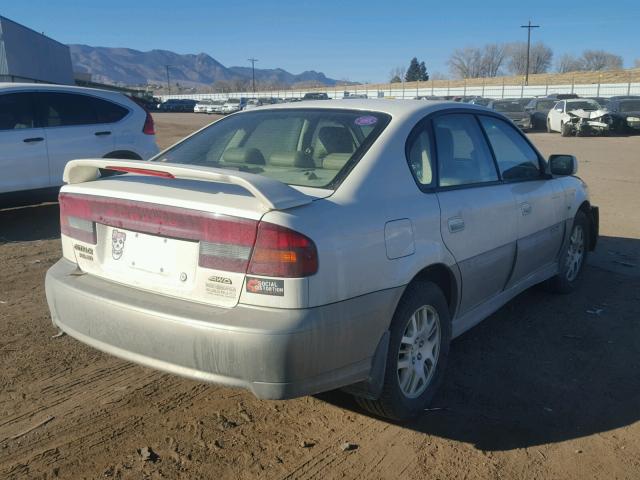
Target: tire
[573, 257]
[565, 129]
[423, 306]
[549, 127]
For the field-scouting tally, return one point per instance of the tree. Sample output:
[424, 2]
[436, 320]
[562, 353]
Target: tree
[569, 63]
[597, 60]
[396, 75]
[424, 75]
[465, 62]
[474, 62]
[539, 58]
[413, 72]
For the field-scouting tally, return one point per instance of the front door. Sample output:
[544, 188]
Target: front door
[539, 199]
[478, 212]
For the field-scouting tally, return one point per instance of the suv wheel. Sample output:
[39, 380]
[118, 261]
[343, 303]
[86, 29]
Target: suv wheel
[573, 257]
[418, 351]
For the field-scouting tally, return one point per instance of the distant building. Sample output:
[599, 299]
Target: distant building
[29, 56]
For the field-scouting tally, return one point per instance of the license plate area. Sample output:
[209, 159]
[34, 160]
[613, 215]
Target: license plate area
[148, 260]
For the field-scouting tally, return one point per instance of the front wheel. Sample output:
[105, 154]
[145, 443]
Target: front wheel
[573, 257]
[417, 355]
[566, 129]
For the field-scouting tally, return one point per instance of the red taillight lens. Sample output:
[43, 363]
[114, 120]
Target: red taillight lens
[75, 219]
[149, 127]
[225, 242]
[281, 252]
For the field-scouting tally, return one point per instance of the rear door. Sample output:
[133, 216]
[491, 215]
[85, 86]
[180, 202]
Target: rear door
[73, 130]
[478, 212]
[23, 147]
[539, 199]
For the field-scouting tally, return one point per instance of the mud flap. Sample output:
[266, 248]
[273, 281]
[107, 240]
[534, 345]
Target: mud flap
[371, 388]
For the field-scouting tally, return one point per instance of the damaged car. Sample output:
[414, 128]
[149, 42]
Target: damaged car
[625, 115]
[578, 117]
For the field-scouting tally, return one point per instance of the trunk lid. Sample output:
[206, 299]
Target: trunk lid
[182, 237]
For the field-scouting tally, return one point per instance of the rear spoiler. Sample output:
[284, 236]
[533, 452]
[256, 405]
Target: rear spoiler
[272, 194]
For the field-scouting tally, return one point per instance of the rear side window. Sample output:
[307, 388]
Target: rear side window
[420, 159]
[515, 157]
[463, 155]
[16, 111]
[108, 112]
[68, 109]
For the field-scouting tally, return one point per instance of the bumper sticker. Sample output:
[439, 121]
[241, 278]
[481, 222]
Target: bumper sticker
[264, 286]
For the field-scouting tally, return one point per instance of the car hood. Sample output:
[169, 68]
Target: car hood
[587, 113]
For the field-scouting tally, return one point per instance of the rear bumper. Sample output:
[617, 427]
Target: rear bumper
[275, 353]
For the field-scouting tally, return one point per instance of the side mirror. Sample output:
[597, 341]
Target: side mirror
[563, 165]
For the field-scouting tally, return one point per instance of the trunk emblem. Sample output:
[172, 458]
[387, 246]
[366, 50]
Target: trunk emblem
[117, 244]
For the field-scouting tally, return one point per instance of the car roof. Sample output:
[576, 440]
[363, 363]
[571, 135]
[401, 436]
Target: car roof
[48, 87]
[395, 108]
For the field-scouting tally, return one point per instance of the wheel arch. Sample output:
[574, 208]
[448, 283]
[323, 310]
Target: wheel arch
[123, 154]
[445, 279]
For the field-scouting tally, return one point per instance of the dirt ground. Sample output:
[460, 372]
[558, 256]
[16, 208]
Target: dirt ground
[548, 387]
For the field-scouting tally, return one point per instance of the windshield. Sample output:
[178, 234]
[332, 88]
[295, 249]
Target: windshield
[545, 105]
[584, 105]
[306, 147]
[508, 107]
[630, 106]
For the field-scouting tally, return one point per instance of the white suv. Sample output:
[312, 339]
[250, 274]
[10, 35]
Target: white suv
[296, 249]
[42, 127]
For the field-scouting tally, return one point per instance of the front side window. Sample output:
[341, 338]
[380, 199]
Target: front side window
[515, 157]
[306, 147]
[16, 111]
[463, 155]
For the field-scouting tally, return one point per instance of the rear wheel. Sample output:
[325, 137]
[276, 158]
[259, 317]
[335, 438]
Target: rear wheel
[418, 351]
[549, 127]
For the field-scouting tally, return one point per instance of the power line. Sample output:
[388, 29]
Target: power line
[528, 27]
[253, 72]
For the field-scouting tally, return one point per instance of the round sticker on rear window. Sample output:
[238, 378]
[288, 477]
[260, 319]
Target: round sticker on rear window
[366, 120]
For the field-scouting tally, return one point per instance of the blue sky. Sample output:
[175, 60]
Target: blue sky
[356, 40]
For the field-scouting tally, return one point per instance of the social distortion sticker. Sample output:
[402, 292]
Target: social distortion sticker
[265, 287]
[366, 120]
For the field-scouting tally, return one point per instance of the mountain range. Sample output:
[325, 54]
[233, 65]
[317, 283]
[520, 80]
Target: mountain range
[133, 67]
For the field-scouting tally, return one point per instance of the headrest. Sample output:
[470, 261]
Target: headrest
[290, 159]
[336, 139]
[243, 155]
[335, 161]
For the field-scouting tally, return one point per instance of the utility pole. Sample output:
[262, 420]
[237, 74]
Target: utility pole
[528, 27]
[253, 72]
[168, 82]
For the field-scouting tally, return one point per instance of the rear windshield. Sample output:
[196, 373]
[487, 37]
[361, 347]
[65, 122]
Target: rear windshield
[584, 105]
[306, 147]
[630, 106]
[508, 107]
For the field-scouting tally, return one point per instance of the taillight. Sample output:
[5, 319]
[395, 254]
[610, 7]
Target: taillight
[281, 252]
[75, 219]
[225, 243]
[149, 127]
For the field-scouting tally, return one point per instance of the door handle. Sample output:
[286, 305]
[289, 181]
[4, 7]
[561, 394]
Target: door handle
[456, 224]
[101, 134]
[33, 139]
[525, 208]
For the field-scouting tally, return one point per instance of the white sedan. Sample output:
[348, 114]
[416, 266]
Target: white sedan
[295, 249]
[579, 116]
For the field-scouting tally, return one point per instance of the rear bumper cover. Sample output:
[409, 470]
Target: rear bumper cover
[275, 353]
